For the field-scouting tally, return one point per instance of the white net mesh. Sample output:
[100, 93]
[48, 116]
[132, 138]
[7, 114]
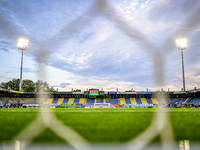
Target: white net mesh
[160, 124]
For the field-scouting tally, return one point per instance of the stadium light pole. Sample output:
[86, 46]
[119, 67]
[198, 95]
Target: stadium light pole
[22, 44]
[181, 45]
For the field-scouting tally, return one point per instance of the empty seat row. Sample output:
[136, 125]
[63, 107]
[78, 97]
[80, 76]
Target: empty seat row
[195, 100]
[2, 102]
[90, 101]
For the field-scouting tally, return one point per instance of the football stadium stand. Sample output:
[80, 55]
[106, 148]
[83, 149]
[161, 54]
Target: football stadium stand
[122, 101]
[70, 98]
[144, 101]
[180, 100]
[138, 101]
[149, 101]
[65, 101]
[90, 102]
[71, 101]
[82, 100]
[128, 101]
[55, 100]
[195, 100]
[118, 101]
[154, 100]
[60, 100]
[106, 100]
[76, 101]
[164, 102]
[113, 101]
[187, 100]
[133, 101]
[99, 100]
[2, 102]
[49, 101]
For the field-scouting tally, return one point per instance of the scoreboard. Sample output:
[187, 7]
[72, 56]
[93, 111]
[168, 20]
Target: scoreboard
[94, 92]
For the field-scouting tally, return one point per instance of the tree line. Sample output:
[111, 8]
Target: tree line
[27, 85]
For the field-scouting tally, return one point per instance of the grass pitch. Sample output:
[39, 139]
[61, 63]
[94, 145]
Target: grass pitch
[101, 125]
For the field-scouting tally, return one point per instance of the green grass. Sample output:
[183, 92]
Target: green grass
[186, 125]
[100, 126]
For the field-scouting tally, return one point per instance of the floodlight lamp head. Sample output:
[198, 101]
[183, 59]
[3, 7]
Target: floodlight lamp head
[22, 44]
[181, 44]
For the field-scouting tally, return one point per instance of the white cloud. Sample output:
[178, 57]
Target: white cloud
[92, 46]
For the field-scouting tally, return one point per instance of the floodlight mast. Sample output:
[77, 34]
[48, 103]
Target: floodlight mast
[181, 45]
[22, 44]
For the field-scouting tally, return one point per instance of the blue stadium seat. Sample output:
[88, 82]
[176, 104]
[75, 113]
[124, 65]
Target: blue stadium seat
[107, 100]
[76, 101]
[179, 100]
[149, 101]
[90, 101]
[174, 100]
[195, 100]
[2, 102]
[188, 100]
[127, 100]
[138, 101]
[183, 100]
[113, 101]
[99, 100]
[54, 101]
[66, 100]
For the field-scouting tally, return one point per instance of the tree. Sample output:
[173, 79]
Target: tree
[130, 90]
[43, 87]
[28, 86]
[13, 84]
[77, 90]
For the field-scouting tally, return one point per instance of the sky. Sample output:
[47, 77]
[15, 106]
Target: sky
[109, 44]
